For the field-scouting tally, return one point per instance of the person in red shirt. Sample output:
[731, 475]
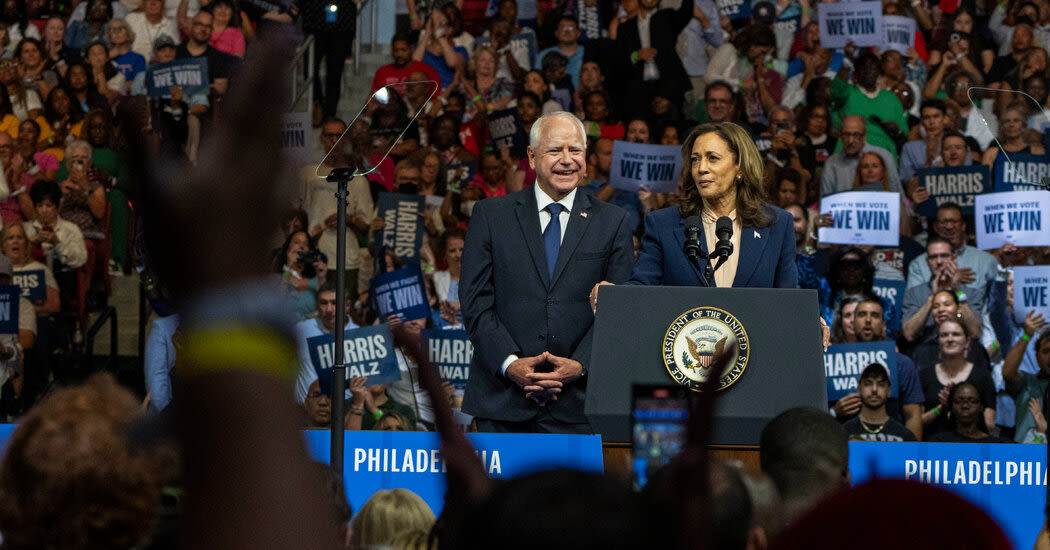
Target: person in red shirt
[403, 65]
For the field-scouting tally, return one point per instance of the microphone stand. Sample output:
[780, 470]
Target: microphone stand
[706, 273]
[341, 177]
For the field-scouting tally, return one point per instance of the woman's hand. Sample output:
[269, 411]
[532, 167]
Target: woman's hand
[1033, 322]
[1036, 408]
[942, 397]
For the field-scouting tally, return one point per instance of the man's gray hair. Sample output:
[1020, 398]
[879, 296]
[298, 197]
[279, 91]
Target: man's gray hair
[537, 127]
[78, 144]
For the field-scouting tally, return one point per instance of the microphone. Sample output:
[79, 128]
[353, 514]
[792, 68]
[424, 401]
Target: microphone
[692, 236]
[724, 246]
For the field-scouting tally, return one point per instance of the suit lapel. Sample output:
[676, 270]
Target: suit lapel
[679, 235]
[579, 219]
[529, 220]
[752, 244]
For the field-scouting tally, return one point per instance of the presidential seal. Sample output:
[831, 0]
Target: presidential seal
[693, 340]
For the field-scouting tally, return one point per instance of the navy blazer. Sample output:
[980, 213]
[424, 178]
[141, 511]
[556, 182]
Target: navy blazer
[766, 255]
[512, 306]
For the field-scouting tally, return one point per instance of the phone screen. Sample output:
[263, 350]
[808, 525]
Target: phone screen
[659, 415]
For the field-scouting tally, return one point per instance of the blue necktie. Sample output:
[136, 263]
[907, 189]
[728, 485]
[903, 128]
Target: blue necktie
[552, 237]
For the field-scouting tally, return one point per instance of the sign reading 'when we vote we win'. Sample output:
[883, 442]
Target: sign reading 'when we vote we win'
[1017, 217]
[862, 218]
[657, 167]
[9, 295]
[1031, 291]
[857, 22]
[191, 74]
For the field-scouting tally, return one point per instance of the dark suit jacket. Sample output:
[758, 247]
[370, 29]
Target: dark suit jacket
[664, 28]
[766, 255]
[511, 306]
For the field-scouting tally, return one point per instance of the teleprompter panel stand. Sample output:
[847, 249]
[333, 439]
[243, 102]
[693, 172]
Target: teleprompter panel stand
[661, 335]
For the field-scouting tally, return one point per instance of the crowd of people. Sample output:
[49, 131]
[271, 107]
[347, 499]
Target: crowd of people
[823, 121]
[687, 76]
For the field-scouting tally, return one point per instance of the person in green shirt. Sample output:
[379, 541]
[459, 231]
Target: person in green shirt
[866, 100]
[369, 404]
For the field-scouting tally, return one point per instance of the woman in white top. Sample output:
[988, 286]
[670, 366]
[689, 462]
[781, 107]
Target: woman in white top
[15, 246]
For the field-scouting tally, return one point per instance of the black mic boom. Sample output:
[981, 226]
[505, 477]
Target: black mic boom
[692, 236]
[724, 246]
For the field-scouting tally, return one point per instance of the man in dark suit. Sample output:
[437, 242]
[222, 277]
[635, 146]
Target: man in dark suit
[649, 40]
[529, 262]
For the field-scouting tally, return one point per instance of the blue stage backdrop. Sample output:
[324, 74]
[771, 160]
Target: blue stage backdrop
[1007, 481]
[411, 460]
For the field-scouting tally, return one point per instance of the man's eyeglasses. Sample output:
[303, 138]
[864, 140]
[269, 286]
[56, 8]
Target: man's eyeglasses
[949, 222]
[853, 135]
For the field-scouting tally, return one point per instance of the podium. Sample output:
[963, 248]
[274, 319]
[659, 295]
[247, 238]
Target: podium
[661, 335]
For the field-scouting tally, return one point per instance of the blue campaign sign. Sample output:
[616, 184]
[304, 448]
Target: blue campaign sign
[404, 224]
[505, 129]
[735, 9]
[9, 296]
[894, 292]
[368, 351]
[1022, 172]
[401, 292]
[958, 184]
[450, 351]
[190, 73]
[1008, 482]
[843, 364]
[657, 167]
[32, 283]
[377, 460]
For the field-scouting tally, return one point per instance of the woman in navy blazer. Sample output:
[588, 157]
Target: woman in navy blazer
[722, 175]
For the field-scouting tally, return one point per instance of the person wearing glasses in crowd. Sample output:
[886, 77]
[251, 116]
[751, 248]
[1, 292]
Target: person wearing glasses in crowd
[976, 268]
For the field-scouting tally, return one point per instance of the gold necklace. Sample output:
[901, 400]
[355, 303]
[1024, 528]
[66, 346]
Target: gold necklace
[864, 425]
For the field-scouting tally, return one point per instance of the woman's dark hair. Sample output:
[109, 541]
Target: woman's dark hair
[807, 113]
[19, 17]
[838, 333]
[45, 190]
[33, 41]
[525, 94]
[76, 111]
[5, 102]
[952, 420]
[108, 70]
[109, 9]
[750, 187]
[419, 158]
[819, 92]
[835, 266]
[546, 89]
[235, 17]
[754, 35]
[451, 233]
[282, 256]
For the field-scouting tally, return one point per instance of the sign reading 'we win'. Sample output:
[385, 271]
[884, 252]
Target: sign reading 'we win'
[1017, 217]
[857, 22]
[1031, 292]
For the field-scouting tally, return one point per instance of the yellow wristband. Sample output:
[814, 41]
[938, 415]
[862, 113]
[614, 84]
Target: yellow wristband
[254, 349]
